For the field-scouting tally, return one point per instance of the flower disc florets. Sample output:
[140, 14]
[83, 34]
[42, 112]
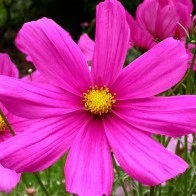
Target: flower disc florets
[98, 101]
[2, 124]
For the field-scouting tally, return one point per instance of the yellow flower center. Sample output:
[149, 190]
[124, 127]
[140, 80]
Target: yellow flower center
[98, 101]
[2, 124]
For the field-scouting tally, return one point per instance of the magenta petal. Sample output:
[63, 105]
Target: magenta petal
[111, 42]
[35, 100]
[140, 156]
[18, 124]
[163, 20]
[36, 76]
[88, 168]
[19, 44]
[86, 44]
[9, 179]
[155, 71]
[146, 16]
[173, 116]
[42, 145]
[55, 54]
[139, 37]
[188, 4]
[185, 13]
[167, 21]
[7, 67]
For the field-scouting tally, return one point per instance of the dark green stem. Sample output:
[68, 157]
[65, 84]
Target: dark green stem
[167, 141]
[186, 181]
[7, 123]
[118, 173]
[151, 191]
[186, 148]
[193, 60]
[140, 189]
[41, 184]
[160, 190]
[91, 26]
[177, 151]
[193, 186]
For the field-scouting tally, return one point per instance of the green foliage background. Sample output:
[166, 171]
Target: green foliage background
[70, 14]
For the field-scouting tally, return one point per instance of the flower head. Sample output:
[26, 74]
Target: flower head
[98, 101]
[139, 37]
[93, 112]
[168, 18]
[9, 177]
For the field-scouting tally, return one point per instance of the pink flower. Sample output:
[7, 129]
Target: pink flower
[9, 178]
[166, 19]
[93, 112]
[7, 67]
[87, 46]
[139, 38]
[173, 143]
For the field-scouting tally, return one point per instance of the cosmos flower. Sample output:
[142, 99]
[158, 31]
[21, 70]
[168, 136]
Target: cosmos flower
[87, 46]
[9, 178]
[91, 113]
[166, 19]
[139, 37]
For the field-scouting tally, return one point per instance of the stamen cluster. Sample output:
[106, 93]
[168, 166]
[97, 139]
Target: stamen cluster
[98, 101]
[2, 124]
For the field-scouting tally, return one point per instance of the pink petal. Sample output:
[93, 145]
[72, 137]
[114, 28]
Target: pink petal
[18, 124]
[139, 37]
[140, 156]
[42, 145]
[185, 16]
[86, 44]
[36, 76]
[36, 100]
[155, 71]
[3, 109]
[19, 44]
[146, 16]
[188, 4]
[111, 42]
[88, 168]
[163, 20]
[7, 67]
[9, 179]
[173, 116]
[55, 55]
[173, 143]
[167, 22]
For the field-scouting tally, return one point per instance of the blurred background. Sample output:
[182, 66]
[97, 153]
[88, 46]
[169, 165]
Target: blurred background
[76, 16]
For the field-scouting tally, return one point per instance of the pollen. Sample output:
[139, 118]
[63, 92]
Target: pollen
[98, 101]
[2, 124]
